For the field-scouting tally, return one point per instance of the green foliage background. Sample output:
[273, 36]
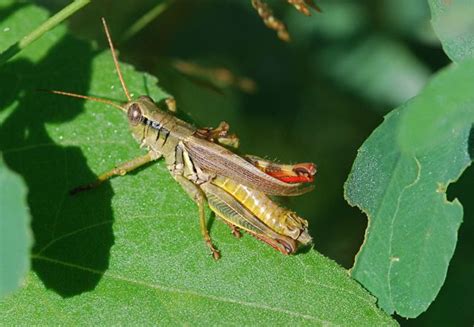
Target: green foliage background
[318, 99]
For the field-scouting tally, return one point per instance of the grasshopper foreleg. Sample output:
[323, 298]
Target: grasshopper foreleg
[198, 196]
[120, 170]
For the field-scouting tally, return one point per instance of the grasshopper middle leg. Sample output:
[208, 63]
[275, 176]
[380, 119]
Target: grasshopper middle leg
[198, 196]
[120, 170]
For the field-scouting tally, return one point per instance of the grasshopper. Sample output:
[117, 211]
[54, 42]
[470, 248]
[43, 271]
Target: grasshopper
[236, 188]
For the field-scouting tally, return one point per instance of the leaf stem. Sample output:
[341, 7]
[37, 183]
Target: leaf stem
[146, 19]
[52, 22]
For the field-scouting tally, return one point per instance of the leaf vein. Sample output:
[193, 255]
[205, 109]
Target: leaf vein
[392, 222]
[186, 292]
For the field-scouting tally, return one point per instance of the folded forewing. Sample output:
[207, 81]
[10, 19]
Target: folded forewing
[217, 159]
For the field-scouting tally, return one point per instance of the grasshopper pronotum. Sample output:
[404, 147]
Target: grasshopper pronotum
[235, 187]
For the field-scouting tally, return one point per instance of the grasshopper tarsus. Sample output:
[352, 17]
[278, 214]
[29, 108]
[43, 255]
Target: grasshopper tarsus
[216, 254]
[236, 232]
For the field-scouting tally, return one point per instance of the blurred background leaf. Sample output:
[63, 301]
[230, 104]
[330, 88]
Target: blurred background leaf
[453, 23]
[392, 74]
[15, 232]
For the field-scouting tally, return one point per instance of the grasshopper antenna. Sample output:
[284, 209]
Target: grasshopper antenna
[114, 56]
[74, 95]
[109, 39]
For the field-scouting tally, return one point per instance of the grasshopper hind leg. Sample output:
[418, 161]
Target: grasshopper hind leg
[198, 196]
[232, 212]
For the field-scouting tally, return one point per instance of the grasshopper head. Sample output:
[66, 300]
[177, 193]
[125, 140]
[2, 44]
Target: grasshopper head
[141, 112]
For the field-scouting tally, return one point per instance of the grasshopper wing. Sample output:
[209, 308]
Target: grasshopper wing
[221, 161]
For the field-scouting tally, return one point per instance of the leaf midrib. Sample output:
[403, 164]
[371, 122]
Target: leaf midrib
[178, 291]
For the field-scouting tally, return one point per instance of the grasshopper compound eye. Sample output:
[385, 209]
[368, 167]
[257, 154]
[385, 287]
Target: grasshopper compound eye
[134, 114]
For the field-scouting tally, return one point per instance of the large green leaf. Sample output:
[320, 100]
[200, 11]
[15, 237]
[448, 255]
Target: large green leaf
[130, 252]
[454, 24]
[15, 233]
[399, 180]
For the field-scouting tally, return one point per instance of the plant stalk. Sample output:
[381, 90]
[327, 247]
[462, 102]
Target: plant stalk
[52, 22]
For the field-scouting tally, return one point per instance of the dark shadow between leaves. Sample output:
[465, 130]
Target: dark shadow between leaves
[470, 143]
[73, 235]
